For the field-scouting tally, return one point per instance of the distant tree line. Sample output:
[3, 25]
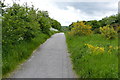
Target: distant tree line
[113, 20]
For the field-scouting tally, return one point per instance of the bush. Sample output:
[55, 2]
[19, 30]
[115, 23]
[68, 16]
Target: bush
[55, 24]
[81, 29]
[19, 23]
[96, 31]
[108, 32]
[118, 29]
[44, 22]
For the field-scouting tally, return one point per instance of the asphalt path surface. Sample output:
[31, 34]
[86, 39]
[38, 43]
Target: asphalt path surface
[50, 60]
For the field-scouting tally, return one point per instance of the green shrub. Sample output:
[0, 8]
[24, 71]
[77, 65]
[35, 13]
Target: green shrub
[55, 24]
[80, 29]
[19, 24]
[108, 32]
[96, 31]
[118, 29]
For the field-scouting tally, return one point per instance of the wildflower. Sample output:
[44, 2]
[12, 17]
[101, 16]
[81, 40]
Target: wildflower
[101, 49]
[90, 46]
[95, 49]
[110, 47]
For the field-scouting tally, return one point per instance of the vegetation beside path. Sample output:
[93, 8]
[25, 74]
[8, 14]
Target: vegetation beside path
[94, 49]
[23, 30]
[93, 56]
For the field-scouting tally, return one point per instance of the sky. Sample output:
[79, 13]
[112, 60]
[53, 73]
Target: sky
[68, 11]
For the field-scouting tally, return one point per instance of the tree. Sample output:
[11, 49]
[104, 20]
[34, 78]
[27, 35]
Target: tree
[55, 24]
[94, 23]
[44, 21]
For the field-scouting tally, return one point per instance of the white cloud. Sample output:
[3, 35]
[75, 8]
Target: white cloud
[87, 0]
[71, 14]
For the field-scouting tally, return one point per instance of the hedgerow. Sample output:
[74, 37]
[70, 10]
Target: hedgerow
[24, 28]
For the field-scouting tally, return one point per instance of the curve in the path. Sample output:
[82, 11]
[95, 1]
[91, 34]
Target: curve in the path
[50, 60]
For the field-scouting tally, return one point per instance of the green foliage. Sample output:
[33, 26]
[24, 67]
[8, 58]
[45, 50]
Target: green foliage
[71, 25]
[94, 23]
[44, 21]
[23, 30]
[0, 47]
[117, 29]
[110, 20]
[113, 20]
[80, 29]
[108, 32]
[96, 31]
[19, 23]
[55, 24]
[64, 28]
[23, 23]
[93, 64]
[118, 17]
[13, 55]
[2, 5]
[94, 56]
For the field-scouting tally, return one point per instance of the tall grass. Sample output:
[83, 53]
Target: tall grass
[89, 64]
[13, 55]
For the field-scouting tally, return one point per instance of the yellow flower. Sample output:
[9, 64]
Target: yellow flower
[90, 46]
[101, 49]
[110, 47]
[95, 49]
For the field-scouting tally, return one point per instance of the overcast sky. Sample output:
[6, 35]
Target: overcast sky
[68, 11]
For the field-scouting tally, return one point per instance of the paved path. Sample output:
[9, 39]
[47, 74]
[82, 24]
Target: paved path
[50, 60]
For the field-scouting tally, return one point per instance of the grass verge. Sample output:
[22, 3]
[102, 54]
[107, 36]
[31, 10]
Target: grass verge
[89, 63]
[14, 55]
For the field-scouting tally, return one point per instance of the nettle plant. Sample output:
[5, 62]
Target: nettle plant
[108, 32]
[81, 29]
